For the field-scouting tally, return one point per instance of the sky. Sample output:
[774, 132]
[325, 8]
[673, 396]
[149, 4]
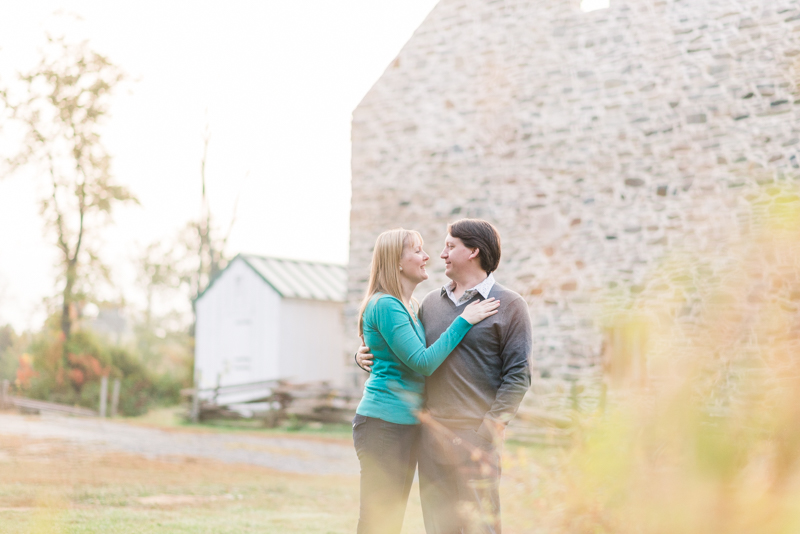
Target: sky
[275, 82]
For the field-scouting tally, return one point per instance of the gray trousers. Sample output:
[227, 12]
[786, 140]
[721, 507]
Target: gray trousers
[459, 477]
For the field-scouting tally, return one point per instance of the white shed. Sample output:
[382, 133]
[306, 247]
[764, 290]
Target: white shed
[267, 318]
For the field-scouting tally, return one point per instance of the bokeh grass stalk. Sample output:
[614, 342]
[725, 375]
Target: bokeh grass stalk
[706, 438]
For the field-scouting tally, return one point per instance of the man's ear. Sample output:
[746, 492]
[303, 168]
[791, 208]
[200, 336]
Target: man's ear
[474, 253]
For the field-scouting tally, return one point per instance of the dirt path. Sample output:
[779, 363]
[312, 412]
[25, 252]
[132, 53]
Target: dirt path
[293, 455]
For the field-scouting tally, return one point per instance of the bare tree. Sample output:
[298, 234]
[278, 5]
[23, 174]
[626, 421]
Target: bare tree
[157, 273]
[205, 246]
[64, 102]
[190, 263]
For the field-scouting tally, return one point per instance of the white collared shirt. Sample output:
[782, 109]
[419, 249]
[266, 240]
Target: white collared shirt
[483, 288]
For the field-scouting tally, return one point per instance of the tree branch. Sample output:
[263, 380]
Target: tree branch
[62, 242]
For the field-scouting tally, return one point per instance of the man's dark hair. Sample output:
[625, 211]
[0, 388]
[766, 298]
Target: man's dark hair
[477, 233]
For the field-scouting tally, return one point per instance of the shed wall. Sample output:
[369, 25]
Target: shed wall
[237, 332]
[311, 341]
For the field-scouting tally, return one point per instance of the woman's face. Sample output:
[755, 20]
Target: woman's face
[413, 262]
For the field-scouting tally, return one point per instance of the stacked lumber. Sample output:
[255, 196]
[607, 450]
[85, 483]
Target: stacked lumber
[317, 402]
[276, 401]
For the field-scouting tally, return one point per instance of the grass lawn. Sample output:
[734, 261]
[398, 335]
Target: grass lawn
[54, 487]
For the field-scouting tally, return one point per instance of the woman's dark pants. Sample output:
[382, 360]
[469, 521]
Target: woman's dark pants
[388, 456]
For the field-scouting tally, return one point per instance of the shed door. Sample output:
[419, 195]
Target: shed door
[241, 350]
[241, 344]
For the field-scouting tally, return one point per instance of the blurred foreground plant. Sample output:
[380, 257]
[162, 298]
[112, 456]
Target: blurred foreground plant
[709, 442]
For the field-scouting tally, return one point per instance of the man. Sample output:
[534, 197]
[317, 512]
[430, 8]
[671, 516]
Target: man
[475, 392]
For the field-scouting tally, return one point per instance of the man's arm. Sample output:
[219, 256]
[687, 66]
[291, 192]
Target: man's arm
[516, 372]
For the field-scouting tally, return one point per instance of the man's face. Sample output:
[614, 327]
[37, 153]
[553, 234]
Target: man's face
[456, 256]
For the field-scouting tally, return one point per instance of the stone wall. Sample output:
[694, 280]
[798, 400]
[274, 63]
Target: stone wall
[605, 146]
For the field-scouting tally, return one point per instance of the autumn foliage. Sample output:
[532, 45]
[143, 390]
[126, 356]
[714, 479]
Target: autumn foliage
[69, 371]
[25, 371]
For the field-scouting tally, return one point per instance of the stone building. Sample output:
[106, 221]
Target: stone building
[603, 145]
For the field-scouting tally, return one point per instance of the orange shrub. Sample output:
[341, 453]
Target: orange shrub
[25, 371]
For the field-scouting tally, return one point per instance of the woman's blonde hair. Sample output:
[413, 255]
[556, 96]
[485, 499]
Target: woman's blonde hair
[384, 275]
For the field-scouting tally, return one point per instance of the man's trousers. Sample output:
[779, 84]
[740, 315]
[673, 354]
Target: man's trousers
[459, 475]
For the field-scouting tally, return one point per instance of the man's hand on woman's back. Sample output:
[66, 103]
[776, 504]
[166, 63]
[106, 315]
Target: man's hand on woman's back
[364, 358]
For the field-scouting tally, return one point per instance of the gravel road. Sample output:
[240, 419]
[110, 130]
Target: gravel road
[294, 455]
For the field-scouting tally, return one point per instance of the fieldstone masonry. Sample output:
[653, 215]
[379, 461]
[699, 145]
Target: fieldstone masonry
[603, 145]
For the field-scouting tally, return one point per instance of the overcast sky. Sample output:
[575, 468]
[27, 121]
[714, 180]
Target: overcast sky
[275, 81]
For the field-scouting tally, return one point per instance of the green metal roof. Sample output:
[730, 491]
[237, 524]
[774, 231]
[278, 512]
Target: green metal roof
[295, 279]
[301, 279]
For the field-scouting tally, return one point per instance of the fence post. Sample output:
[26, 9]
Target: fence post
[5, 400]
[216, 389]
[195, 415]
[115, 397]
[103, 395]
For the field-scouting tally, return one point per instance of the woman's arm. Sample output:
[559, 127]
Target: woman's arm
[394, 324]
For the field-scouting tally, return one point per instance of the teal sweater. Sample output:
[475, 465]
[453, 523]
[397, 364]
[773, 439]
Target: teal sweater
[393, 392]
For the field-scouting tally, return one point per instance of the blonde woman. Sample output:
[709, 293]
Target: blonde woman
[386, 429]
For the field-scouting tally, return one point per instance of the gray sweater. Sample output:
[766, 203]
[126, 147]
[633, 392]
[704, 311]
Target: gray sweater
[488, 373]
